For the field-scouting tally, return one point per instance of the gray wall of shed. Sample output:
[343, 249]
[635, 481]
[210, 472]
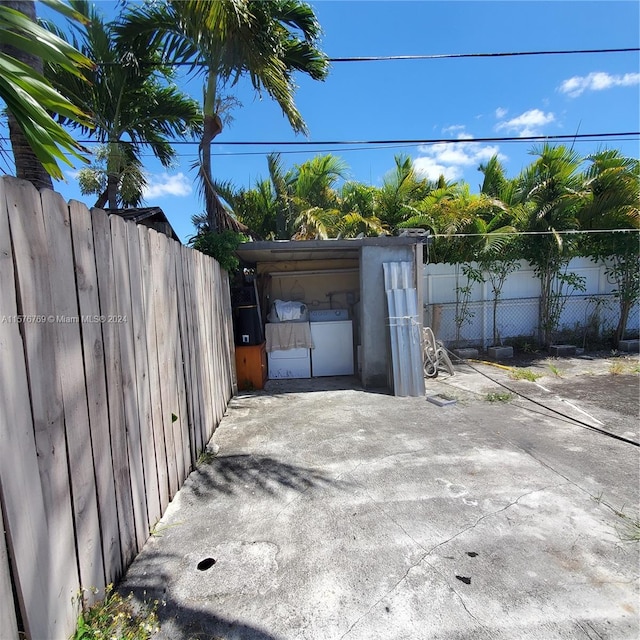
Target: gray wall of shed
[375, 354]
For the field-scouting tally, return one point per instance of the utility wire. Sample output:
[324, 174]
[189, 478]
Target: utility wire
[532, 233]
[407, 142]
[579, 422]
[434, 56]
[439, 56]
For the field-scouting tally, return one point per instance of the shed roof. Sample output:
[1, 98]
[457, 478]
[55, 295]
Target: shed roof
[153, 217]
[301, 250]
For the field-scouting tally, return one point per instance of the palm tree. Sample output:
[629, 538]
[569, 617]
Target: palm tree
[315, 196]
[326, 211]
[281, 186]
[37, 141]
[267, 41]
[132, 106]
[267, 209]
[550, 194]
[401, 189]
[494, 181]
[612, 185]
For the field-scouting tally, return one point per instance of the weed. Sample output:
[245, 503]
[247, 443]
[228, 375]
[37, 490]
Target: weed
[630, 530]
[524, 374]
[499, 396]
[555, 370]
[116, 617]
[157, 529]
[206, 457]
[617, 368]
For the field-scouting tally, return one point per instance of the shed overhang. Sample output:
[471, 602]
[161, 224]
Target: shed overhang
[252, 253]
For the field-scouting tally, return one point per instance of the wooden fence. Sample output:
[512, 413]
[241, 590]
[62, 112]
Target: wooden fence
[116, 366]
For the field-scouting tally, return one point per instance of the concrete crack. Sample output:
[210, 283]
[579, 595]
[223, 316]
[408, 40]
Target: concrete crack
[386, 595]
[586, 632]
[552, 469]
[427, 552]
[462, 602]
[489, 515]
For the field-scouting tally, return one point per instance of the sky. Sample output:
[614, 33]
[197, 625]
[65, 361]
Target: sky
[431, 99]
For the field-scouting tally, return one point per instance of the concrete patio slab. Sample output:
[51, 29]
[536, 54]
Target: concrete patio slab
[336, 513]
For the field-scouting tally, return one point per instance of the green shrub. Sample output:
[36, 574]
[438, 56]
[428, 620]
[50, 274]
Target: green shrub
[115, 617]
[221, 246]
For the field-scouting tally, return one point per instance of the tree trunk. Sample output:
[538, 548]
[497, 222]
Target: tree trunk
[112, 190]
[621, 329]
[28, 167]
[212, 127]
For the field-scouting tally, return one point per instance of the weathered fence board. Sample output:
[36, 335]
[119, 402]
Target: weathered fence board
[155, 402]
[27, 529]
[165, 363]
[137, 322]
[175, 365]
[213, 291]
[187, 332]
[108, 307]
[7, 606]
[204, 306]
[128, 367]
[74, 391]
[96, 386]
[117, 333]
[33, 264]
[181, 368]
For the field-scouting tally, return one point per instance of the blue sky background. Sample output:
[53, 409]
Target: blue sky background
[427, 99]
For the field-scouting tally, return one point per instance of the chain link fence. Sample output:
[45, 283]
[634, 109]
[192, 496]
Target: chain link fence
[585, 321]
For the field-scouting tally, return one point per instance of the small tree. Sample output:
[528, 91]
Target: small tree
[497, 271]
[464, 315]
[620, 253]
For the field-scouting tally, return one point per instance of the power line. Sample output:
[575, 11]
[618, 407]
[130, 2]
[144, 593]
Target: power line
[434, 56]
[407, 142]
[440, 56]
[533, 233]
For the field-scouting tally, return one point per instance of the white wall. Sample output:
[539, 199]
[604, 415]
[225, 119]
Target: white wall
[518, 310]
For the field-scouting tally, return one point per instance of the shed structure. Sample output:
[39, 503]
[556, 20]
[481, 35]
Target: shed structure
[338, 274]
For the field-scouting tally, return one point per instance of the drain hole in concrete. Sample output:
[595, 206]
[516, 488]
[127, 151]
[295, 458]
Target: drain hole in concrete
[472, 554]
[464, 579]
[205, 564]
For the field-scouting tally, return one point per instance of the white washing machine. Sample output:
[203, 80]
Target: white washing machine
[289, 363]
[332, 334]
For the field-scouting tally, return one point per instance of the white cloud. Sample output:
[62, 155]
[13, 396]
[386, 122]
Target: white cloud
[454, 129]
[527, 123]
[597, 81]
[429, 168]
[501, 113]
[451, 159]
[167, 185]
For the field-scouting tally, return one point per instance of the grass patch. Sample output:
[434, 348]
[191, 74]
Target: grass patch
[499, 396]
[557, 372]
[524, 374]
[617, 368]
[620, 367]
[629, 529]
[206, 457]
[116, 617]
[158, 529]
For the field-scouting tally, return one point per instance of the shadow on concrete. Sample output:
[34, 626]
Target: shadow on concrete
[150, 583]
[325, 383]
[245, 474]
